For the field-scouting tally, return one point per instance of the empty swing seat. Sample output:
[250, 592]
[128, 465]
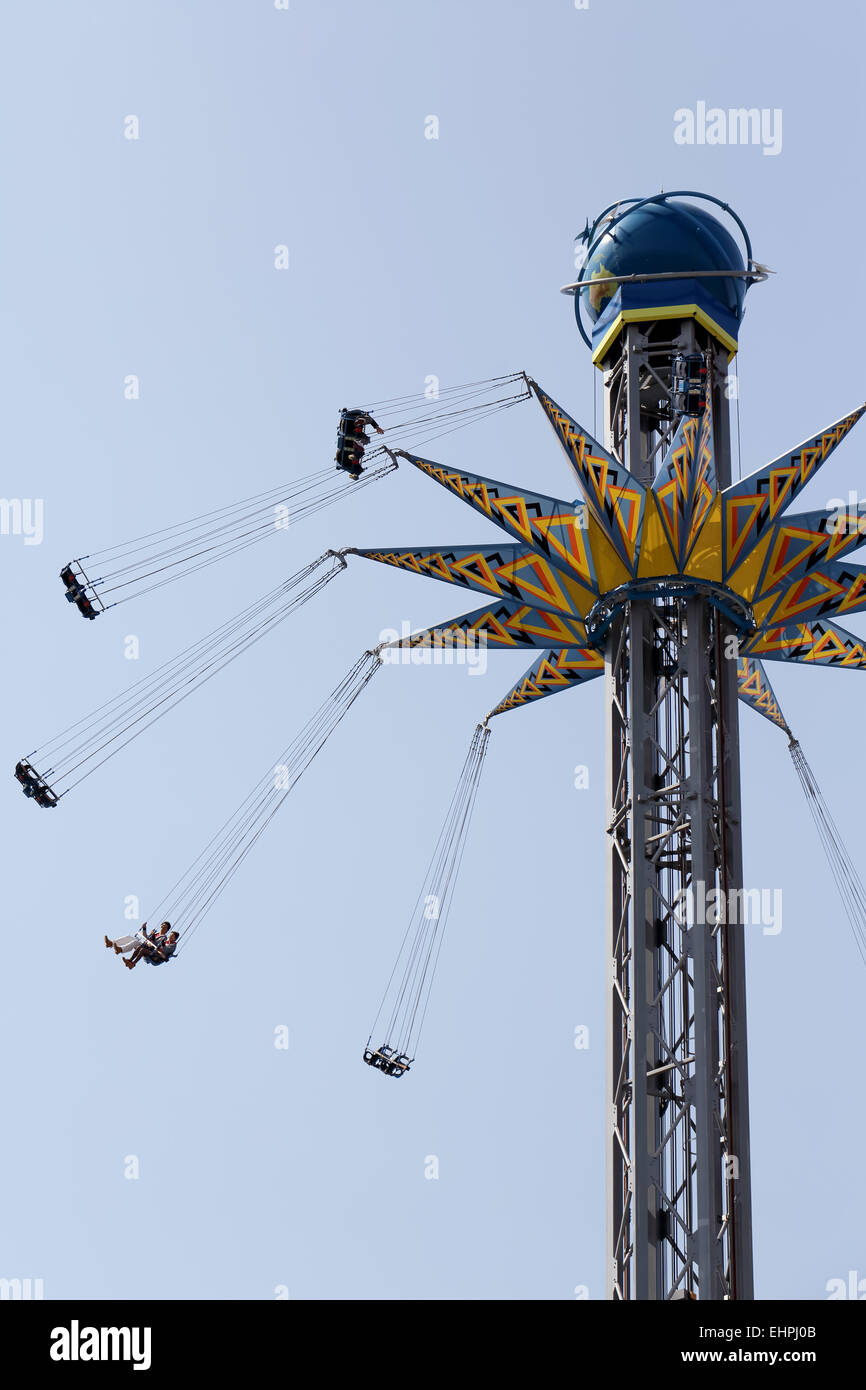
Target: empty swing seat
[33, 785]
[387, 1060]
[73, 584]
[85, 607]
[76, 593]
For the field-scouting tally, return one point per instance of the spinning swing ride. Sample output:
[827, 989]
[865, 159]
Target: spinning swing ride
[666, 577]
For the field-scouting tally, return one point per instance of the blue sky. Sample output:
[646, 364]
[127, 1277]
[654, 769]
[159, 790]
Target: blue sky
[261, 1168]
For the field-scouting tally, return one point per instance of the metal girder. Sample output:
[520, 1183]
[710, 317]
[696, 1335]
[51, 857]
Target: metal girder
[678, 1172]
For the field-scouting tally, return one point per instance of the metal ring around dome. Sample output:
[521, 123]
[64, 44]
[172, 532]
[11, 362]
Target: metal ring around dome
[754, 273]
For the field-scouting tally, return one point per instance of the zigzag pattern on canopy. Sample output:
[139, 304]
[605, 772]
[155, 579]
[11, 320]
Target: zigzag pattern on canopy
[615, 498]
[798, 544]
[567, 667]
[788, 571]
[824, 592]
[754, 689]
[558, 669]
[500, 625]
[685, 484]
[554, 528]
[813, 644]
[515, 572]
[751, 505]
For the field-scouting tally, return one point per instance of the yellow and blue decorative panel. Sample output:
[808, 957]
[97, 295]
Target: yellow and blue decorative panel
[780, 578]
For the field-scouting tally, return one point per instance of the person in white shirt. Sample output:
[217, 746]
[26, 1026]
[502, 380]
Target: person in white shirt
[150, 946]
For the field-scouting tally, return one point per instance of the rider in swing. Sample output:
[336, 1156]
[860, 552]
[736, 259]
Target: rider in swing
[353, 439]
[155, 947]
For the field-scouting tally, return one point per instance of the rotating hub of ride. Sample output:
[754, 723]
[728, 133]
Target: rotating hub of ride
[672, 587]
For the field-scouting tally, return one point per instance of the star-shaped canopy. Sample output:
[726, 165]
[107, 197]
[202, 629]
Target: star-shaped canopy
[781, 578]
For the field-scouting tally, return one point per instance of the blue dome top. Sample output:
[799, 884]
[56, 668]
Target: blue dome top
[664, 236]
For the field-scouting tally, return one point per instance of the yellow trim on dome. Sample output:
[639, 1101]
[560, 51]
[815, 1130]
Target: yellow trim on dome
[667, 311]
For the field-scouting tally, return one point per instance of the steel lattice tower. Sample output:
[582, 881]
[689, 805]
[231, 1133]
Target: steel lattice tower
[678, 1173]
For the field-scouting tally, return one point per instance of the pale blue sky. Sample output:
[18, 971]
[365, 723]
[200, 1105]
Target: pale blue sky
[408, 257]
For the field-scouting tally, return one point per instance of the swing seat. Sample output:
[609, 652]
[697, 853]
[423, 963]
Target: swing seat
[84, 605]
[74, 587]
[386, 1060]
[34, 786]
[76, 592]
